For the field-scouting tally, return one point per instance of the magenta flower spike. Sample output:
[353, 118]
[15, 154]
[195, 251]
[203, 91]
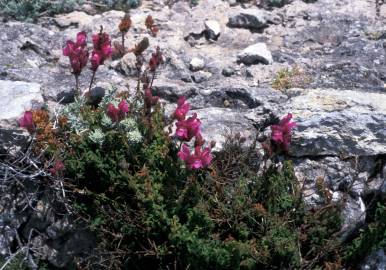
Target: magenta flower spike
[281, 133]
[182, 109]
[57, 168]
[123, 107]
[117, 114]
[26, 121]
[150, 100]
[198, 160]
[77, 52]
[187, 129]
[113, 113]
[101, 51]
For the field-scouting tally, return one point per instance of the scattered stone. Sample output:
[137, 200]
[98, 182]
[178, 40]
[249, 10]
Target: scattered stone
[186, 77]
[196, 64]
[201, 76]
[255, 54]
[212, 29]
[126, 65]
[228, 71]
[253, 19]
[95, 95]
[76, 18]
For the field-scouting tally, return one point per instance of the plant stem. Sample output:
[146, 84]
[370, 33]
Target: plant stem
[92, 80]
[123, 41]
[152, 80]
[77, 90]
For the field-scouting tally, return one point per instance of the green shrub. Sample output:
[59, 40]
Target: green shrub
[31, 9]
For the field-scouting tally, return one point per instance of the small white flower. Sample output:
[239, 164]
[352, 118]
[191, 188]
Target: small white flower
[134, 136]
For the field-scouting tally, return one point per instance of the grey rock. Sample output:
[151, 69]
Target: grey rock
[353, 214]
[186, 77]
[212, 29]
[255, 54]
[76, 18]
[201, 76]
[228, 71]
[126, 65]
[336, 122]
[196, 64]
[375, 261]
[253, 19]
[218, 123]
[17, 97]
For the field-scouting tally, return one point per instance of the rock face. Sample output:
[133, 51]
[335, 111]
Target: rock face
[255, 54]
[15, 98]
[338, 122]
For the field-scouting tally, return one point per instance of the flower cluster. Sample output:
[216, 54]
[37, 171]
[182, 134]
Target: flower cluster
[182, 109]
[26, 121]
[125, 24]
[150, 100]
[186, 130]
[101, 51]
[155, 60]
[57, 168]
[281, 133]
[150, 25]
[117, 114]
[77, 52]
[196, 160]
[189, 128]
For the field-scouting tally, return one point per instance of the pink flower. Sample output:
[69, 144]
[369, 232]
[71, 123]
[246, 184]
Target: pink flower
[81, 39]
[199, 159]
[123, 107]
[117, 114]
[57, 168]
[26, 121]
[182, 109]
[187, 129]
[77, 52]
[281, 133]
[101, 51]
[95, 60]
[150, 100]
[113, 113]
